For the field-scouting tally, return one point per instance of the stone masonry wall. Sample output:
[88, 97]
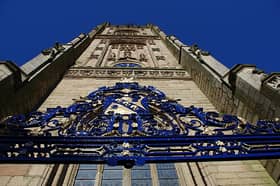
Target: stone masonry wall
[24, 88]
[243, 90]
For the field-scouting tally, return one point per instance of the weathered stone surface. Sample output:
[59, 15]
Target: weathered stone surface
[19, 181]
[4, 72]
[35, 181]
[275, 171]
[37, 170]
[30, 85]
[13, 169]
[211, 86]
[4, 180]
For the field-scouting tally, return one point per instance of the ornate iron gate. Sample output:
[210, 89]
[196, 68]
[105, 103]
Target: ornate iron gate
[128, 124]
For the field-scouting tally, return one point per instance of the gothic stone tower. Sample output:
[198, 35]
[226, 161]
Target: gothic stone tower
[143, 54]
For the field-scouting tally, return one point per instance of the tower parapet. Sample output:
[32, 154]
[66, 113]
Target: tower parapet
[24, 88]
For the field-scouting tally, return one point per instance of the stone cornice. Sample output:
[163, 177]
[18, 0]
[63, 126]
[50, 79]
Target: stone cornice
[143, 73]
[126, 37]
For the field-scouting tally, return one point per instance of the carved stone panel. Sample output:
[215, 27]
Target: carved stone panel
[155, 49]
[151, 42]
[94, 56]
[274, 82]
[127, 54]
[160, 58]
[126, 72]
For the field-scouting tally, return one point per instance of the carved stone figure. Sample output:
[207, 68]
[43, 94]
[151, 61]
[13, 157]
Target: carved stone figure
[274, 82]
[197, 51]
[151, 42]
[115, 46]
[122, 47]
[155, 49]
[142, 57]
[160, 58]
[140, 46]
[131, 47]
[94, 56]
[127, 54]
[57, 48]
[103, 41]
[112, 57]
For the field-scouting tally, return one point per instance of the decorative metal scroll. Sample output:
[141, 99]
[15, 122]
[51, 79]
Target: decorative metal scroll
[128, 124]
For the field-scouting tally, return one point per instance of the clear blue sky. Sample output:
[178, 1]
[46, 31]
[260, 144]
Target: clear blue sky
[234, 31]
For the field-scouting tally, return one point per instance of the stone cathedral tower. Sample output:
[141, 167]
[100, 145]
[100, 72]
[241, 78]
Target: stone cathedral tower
[142, 54]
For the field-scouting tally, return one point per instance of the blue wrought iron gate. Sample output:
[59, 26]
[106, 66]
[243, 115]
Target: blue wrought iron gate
[128, 124]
